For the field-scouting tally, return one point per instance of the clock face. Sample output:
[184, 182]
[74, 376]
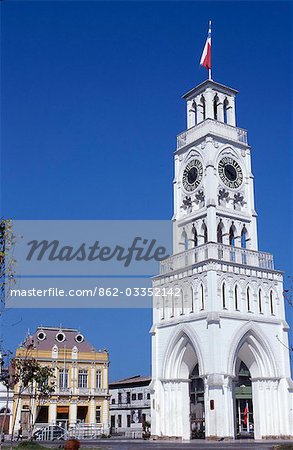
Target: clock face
[230, 172]
[192, 175]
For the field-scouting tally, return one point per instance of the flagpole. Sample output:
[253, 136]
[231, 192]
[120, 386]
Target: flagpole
[210, 29]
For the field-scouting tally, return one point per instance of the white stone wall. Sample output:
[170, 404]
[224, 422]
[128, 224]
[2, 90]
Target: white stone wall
[198, 326]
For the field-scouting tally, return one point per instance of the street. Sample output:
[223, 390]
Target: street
[178, 445]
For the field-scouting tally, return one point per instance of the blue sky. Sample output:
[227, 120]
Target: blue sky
[91, 103]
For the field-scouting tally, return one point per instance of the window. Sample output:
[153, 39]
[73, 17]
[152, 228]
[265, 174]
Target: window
[184, 240]
[215, 104]
[236, 297]
[271, 303]
[220, 233]
[260, 301]
[163, 307]
[248, 298]
[98, 414]
[99, 379]
[224, 295]
[232, 236]
[202, 296]
[194, 111]
[112, 421]
[226, 104]
[63, 378]
[191, 300]
[128, 420]
[182, 302]
[119, 397]
[140, 396]
[119, 420]
[113, 401]
[133, 397]
[82, 378]
[194, 233]
[205, 233]
[203, 106]
[172, 305]
[127, 397]
[148, 396]
[243, 237]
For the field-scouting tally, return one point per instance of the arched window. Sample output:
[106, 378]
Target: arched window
[232, 236]
[260, 301]
[236, 298]
[194, 111]
[172, 306]
[224, 296]
[225, 108]
[191, 300]
[272, 303]
[205, 233]
[220, 233]
[182, 302]
[184, 240]
[243, 237]
[194, 235]
[248, 298]
[202, 296]
[215, 104]
[203, 106]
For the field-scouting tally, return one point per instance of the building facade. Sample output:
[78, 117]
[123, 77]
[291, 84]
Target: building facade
[130, 406]
[81, 394]
[6, 405]
[220, 356]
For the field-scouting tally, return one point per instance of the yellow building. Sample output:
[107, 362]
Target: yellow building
[81, 396]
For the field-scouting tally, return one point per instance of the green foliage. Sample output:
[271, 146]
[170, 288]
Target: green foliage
[7, 262]
[28, 373]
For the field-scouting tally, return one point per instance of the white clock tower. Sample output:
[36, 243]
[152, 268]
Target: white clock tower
[220, 354]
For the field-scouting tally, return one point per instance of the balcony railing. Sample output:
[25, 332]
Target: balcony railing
[218, 252]
[211, 126]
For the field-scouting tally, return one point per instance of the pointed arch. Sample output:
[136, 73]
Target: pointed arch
[271, 300]
[248, 299]
[260, 301]
[215, 106]
[202, 296]
[232, 235]
[223, 292]
[202, 104]
[191, 299]
[249, 344]
[184, 239]
[182, 354]
[236, 297]
[204, 232]
[244, 237]
[220, 232]
[194, 236]
[182, 301]
[225, 110]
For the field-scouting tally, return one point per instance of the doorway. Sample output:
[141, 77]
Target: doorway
[197, 416]
[244, 422]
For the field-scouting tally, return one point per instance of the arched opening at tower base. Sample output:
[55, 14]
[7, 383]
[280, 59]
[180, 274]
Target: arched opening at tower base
[197, 414]
[243, 403]
[255, 386]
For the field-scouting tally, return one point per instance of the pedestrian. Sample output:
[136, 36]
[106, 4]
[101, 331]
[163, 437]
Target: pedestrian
[19, 434]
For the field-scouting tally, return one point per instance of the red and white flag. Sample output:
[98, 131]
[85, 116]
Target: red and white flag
[206, 57]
